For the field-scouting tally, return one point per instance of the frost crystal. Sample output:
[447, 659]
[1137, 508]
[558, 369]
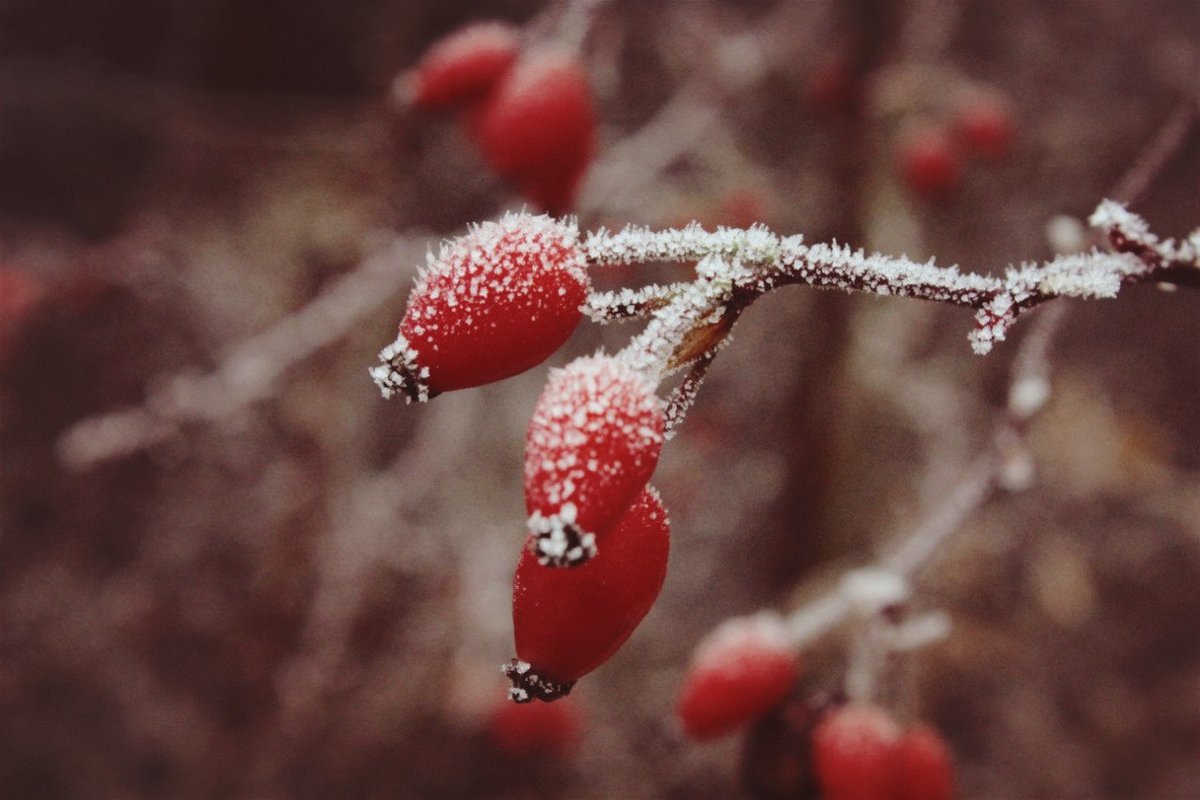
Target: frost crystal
[401, 373]
[528, 685]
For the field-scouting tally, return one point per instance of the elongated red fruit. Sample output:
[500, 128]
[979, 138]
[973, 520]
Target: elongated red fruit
[538, 129]
[924, 767]
[592, 445]
[568, 622]
[740, 671]
[492, 304]
[464, 66]
[537, 730]
[987, 127]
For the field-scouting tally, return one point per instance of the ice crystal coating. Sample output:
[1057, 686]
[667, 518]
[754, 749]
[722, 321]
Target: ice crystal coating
[568, 622]
[463, 66]
[491, 304]
[592, 444]
[739, 672]
[754, 261]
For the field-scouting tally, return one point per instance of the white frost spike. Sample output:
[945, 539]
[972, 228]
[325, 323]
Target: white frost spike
[400, 372]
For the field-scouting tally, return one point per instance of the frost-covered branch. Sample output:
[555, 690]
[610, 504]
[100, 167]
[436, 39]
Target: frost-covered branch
[749, 262]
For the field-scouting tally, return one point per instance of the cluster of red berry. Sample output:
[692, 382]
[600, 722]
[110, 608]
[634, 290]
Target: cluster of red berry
[749, 666]
[859, 752]
[492, 304]
[931, 158]
[530, 111]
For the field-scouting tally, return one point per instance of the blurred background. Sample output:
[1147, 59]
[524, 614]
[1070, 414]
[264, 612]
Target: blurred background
[228, 568]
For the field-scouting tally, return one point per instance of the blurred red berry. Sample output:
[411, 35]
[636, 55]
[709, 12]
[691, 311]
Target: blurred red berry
[592, 444]
[832, 88]
[744, 206]
[538, 129]
[464, 66]
[536, 729]
[492, 304]
[740, 671]
[20, 293]
[929, 163]
[924, 768]
[854, 751]
[987, 128]
[568, 622]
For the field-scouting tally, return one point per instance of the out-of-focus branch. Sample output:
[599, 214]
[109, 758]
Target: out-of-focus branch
[869, 590]
[250, 372]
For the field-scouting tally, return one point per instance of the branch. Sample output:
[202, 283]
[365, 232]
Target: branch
[248, 373]
[751, 262]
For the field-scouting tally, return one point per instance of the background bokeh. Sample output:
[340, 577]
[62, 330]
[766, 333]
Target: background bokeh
[296, 589]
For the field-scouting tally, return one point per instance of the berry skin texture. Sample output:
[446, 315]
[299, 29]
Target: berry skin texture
[924, 768]
[492, 304]
[535, 730]
[538, 128]
[743, 669]
[568, 622]
[592, 444]
[854, 753]
[463, 67]
[986, 128]
[929, 163]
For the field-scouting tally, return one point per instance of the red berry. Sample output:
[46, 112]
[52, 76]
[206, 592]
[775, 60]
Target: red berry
[492, 304]
[924, 768]
[568, 622]
[929, 163]
[539, 729]
[854, 751]
[20, 294]
[986, 128]
[464, 66]
[538, 129]
[832, 88]
[739, 672]
[592, 444]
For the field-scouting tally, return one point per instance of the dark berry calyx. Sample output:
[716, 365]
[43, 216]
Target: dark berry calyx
[529, 685]
[558, 541]
[401, 373]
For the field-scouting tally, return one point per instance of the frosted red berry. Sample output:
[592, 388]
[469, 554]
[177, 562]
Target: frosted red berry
[853, 751]
[929, 163]
[536, 729]
[568, 622]
[538, 129]
[463, 67]
[592, 444]
[924, 767]
[739, 672]
[986, 127]
[492, 304]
